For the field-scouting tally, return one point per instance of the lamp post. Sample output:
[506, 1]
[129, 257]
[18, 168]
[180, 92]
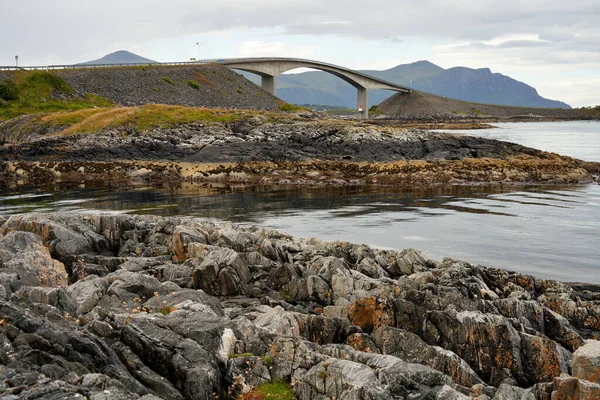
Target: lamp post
[17, 61]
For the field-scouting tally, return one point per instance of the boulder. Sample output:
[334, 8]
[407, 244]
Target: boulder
[570, 388]
[586, 361]
[24, 254]
[88, 292]
[218, 271]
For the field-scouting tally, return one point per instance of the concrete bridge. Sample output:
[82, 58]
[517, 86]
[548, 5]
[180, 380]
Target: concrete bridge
[270, 68]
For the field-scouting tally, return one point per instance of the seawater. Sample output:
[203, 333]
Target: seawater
[548, 231]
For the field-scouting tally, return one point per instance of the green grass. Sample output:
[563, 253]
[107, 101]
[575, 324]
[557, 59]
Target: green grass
[278, 390]
[31, 92]
[193, 84]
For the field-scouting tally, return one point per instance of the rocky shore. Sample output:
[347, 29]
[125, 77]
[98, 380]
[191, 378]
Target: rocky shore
[114, 306]
[258, 148]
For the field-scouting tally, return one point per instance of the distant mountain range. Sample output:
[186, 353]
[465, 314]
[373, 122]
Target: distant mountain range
[474, 85]
[120, 57]
[316, 87]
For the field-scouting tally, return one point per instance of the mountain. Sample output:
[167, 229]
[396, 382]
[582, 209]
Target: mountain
[474, 85]
[120, 57]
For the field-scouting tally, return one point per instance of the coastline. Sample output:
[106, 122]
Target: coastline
[300, 149]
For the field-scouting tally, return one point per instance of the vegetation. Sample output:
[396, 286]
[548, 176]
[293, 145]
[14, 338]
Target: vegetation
[139, 118]
[166, 310]
[593, 112]
[31, 92]
[193, 84]
[8, 91]
[168, 80]
[242, 355]
[288, 107]
[374, 111]
[278, 390]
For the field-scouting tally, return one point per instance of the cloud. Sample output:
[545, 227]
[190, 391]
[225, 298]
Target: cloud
[272, 49]
[520, 35]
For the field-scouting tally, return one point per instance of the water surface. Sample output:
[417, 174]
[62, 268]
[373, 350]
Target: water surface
[548, 231]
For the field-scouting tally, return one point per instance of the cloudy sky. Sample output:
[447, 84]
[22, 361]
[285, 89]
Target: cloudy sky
[551, 45]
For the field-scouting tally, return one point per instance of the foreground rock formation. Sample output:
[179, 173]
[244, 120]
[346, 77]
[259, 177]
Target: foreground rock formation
[115, 306]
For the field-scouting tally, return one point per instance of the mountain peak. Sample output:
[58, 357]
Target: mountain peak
[121, 57]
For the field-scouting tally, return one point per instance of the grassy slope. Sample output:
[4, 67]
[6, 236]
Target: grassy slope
[39, 91]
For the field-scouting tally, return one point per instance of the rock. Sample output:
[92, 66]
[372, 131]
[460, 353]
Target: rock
[219, 271]
[370, 313]
[508, 392]
[586, 362]
[88, 292]
[411, 348]
[182, 237]
[56, 297]
[24, 253]
[408, 262]
[570, 388]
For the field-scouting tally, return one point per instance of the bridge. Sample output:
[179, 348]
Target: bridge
[268, 68]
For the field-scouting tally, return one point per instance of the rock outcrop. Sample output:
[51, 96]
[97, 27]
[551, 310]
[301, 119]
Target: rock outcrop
[116, 306]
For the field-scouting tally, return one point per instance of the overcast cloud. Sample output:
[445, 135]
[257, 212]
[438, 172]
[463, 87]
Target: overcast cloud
[551, 45]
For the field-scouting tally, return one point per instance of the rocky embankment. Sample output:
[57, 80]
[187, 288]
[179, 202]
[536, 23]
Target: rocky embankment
[115, 306]
[420, 106]
[209, 85]
[262, 148]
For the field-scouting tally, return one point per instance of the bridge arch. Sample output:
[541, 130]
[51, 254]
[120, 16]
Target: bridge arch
[269, 68]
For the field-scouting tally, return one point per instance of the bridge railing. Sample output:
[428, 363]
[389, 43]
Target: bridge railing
[224, 61]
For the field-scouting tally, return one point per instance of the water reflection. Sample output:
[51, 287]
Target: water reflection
[549, 231]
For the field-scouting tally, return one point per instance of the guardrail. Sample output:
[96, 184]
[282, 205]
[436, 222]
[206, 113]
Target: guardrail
[223, 61]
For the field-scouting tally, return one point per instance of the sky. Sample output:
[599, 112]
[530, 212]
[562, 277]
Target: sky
[551, 45]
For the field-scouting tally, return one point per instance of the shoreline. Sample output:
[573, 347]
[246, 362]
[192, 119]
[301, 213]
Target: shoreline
[216, 302]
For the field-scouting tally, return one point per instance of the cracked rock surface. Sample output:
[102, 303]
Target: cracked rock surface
[115, 306]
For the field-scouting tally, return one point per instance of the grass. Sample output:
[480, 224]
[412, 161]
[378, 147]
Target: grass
[140, 118]
[31, 92]
[168, 80]
[278, 390]
[166, 310]
[291, 107]
[193, 84]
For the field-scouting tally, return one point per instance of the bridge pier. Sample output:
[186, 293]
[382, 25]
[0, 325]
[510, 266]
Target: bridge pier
[362, 100]
[268, 83]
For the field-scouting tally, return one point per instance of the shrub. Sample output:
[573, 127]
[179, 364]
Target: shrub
[291, 107]
[192, 83]
[168, 80]
[41, 79]
[8, 91]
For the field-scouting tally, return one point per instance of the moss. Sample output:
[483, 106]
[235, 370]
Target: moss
[193, 84]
